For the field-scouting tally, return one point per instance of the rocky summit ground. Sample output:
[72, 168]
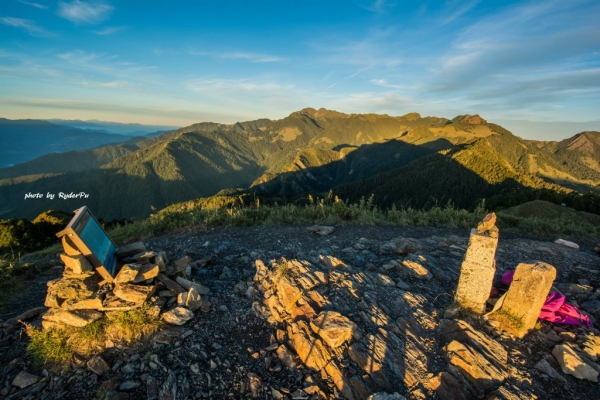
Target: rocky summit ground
[248, 344]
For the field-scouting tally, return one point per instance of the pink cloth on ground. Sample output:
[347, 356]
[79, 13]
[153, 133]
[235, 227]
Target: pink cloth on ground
[555, 308]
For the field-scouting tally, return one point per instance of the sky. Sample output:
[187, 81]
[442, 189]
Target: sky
[180, 62]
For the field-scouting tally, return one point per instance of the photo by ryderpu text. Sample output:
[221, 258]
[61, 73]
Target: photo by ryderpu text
[61, 195]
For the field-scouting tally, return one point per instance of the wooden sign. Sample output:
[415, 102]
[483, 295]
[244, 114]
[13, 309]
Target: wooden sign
[91, 240]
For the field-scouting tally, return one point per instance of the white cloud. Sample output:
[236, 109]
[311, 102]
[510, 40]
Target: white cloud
[109, 30]
[80, 12]
[239, 55]
[235, 85]
[457, 9]
[111, 85]
[27, 25]
[378, 6]
[36, 5]
[252, 57]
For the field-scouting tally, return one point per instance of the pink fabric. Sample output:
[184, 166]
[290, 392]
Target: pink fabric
[555, 308]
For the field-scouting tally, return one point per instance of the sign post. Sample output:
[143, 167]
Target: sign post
[85, 232]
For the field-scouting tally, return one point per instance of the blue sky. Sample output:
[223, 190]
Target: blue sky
[180, 62]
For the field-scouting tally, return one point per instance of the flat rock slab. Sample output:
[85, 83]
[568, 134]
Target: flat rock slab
[178, 316]
[572, 364]
[186, 284]
[24, 379]
[146, 271]
[333, 328]
[133, 293]
[127, 273]
[76, 318]
[76, 264]
[474, 366]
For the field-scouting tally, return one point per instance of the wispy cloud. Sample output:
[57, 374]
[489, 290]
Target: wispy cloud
[80, 12]
[27, 25]
[378, 6]
[235, 85]
[112, 85]
[525, 56]
[252, 57]
[109, 30]
[456, 8]
[385, 83]
[31, 3]
[239, 55]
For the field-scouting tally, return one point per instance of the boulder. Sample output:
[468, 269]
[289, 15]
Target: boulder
[487, 223]
[181, 264]
[76, 264]
[146, 271]
[178, 316]
[77, 318]
[193, 299]
[170, 284]
[98, 366]
[571, 363]
[133, 293]
[69, 247]
[66, 288]
[92, 303]
[333, 328]
[24, 379]
[127, 273]
[186, 284]
[525, 298]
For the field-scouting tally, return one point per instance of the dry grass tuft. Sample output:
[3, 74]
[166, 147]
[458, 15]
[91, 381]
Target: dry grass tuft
[55, 346]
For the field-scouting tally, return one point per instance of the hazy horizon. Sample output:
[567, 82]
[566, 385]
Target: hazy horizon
[178, 63]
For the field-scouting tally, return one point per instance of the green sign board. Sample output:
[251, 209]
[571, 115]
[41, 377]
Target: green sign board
[85, 232]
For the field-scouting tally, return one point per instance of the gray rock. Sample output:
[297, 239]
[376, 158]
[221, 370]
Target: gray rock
[24, 379]
[571, 363]
[178, 316]
[129, 385]
[98, 366]
[546, 368]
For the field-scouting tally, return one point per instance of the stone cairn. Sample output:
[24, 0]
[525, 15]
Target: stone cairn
[145, 277]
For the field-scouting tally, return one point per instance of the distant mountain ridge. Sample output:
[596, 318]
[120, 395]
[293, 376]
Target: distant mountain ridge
[126, 129]
[406, 159]
[24, 140]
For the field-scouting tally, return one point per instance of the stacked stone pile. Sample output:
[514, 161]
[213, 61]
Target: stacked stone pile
[144, 277]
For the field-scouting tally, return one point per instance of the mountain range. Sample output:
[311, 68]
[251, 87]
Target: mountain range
[407, 160]
[24, 140]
